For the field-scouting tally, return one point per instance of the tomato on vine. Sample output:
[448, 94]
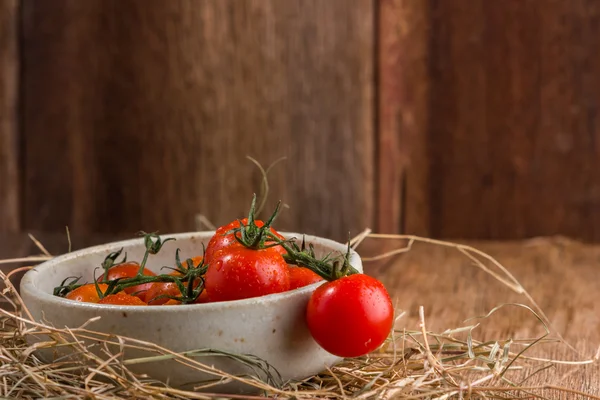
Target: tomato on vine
[169, 292]
[86, 293]
[301, 276]
[350, 316]
[222, 240]
[161, 292]
[203, 298]
[128, 270]
[196, 261]
[240, 272]
[122, 299]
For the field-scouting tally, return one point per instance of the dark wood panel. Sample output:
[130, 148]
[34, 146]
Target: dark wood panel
[514, 140]
[139, 114]
[403, 84]
[9, 185]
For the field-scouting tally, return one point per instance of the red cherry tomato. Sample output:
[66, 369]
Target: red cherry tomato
[301, 276]
[221, 241]
[240, 273]
[350, 316]
[158, 289]
[129, 270]
[122, 299]
[170, 289]
[86, 293]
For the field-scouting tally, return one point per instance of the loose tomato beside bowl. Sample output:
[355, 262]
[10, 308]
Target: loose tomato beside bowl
[272, 327]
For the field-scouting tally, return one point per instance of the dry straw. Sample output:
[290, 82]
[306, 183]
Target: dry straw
[413, 364]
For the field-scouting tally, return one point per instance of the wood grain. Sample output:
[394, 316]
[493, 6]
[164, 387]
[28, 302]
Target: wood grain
[515, 99]
[144, 111]
[403, 86]
[471, 119]
[9, 173]
[560, 274]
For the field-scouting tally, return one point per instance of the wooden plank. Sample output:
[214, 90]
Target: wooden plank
[458, 133]
[403, 84]
[153, 125]
[515, 95]
[9, 59]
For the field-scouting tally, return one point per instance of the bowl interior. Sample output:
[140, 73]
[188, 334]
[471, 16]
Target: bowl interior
[86, 263]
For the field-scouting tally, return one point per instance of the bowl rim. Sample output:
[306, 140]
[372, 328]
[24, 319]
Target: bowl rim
[29, 287]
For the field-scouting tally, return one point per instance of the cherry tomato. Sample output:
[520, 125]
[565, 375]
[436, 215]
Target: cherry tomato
[158, 289]
[350, 316]
[301, 276]
[171, 289]
[86, 293]
[203, 298]
[221, 241]
[129, 270]
[239, 273]
[122, 299]
[161, 289]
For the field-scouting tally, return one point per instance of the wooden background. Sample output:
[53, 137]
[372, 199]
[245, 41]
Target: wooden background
[446, 118]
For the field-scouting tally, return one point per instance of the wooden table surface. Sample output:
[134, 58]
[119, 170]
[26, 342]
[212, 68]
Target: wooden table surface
[562, 276]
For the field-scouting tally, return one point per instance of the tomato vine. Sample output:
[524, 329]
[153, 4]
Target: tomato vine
[249, 234]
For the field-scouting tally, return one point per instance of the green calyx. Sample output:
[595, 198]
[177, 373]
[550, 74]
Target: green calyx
[327, 267]
[153, 244]
[251, 235]
[111, 260]
[256, 238]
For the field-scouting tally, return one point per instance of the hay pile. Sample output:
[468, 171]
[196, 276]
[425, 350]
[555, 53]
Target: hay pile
[413, 364]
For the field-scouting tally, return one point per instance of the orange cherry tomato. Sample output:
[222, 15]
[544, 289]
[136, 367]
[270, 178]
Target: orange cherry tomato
[203, 298]
[129, 270]
[122, 299]
[86, 293]
[301, 276]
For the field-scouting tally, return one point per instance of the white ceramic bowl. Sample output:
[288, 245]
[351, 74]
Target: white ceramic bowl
[271, 327]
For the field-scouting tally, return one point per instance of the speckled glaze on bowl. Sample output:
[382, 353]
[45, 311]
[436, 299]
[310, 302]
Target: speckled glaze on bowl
[271, 327]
